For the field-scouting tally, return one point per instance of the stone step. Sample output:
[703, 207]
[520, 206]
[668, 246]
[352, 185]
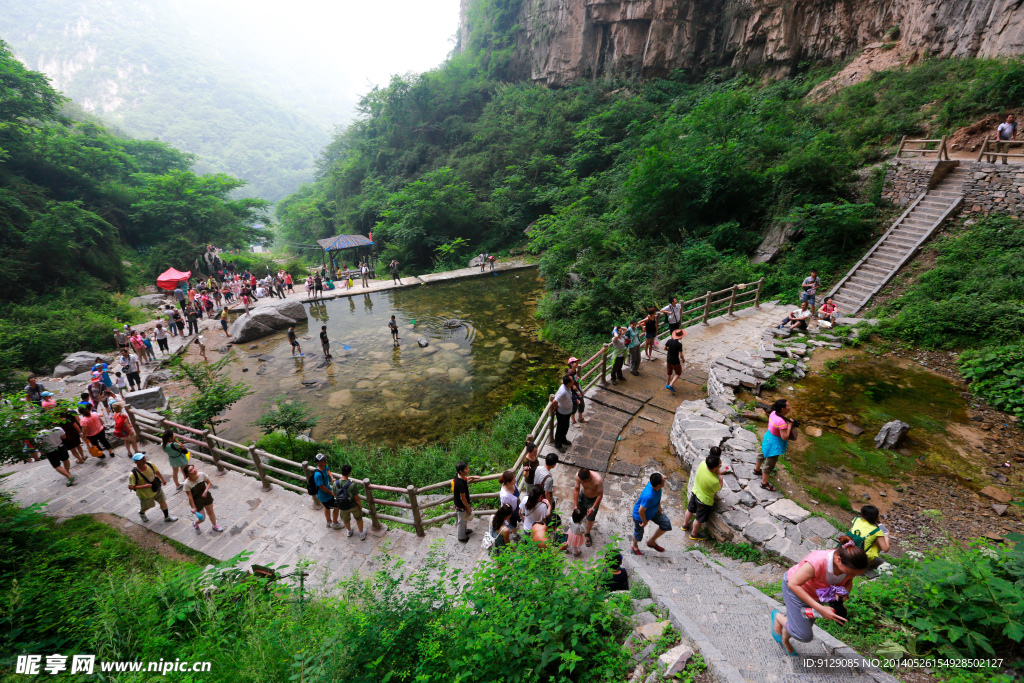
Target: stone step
[874, 270]
[892, 251]
[882, 260]
[925, 223]
[899, 243]
[860, 288]
[925, 212]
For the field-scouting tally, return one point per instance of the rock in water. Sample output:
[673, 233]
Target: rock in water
[422, 341]
[453, 324]
[264, 320]
[149, 301]
[891, 435]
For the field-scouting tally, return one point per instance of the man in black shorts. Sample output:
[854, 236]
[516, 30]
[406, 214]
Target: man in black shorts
[51, 442]
[393, 326]
[325, 343]
[707, 482]
[674, 359]
[294, 342]
[589, 492]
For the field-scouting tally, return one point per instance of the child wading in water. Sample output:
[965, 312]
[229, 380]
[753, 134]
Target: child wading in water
[294, 342]
[394, 330]
[325, 343]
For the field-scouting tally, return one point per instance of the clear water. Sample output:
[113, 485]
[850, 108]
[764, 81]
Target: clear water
[375, 393]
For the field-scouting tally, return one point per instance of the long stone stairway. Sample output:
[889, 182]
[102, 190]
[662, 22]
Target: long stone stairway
[729, 623]
[921, 219]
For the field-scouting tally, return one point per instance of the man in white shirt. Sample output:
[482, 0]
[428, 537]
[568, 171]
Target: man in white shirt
[797, 320]
[51, 441]
[673, 311]
[130, 365]
[1006, 132]
[561, 404]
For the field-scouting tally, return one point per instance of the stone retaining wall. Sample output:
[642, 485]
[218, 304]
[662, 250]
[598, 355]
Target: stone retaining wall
[906, 179]
[745, 512]
[994, 187]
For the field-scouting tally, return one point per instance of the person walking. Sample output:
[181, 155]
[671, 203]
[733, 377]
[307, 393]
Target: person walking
[179, 322]
[309, 287]
[393, 267]
[51, 443]
[393, 326]
[318, 286]
[323, 480]
[197, 488]
[179, 294]
[1006, 133]
[223, 318]
[140, 347]
[200, 344]
[123, 429]
[365, 271]
[587, 496]
[177, 455]
[160, 334]
[130, 365]
[169, 316]
[634, 340]
[707, 482]
[775, 441]
[578, 403]
[192, 316]
[348, 503]
[73, 436]
[294, 342]
[673, 312]
[650, 332]
[147, 344]
[809, 585]
[147, 482]
[648, 509]
[325, 343]
[618, 347]
[674, 359]
[483, 261]
[289, 282]
[561, 406]
[810, 286]
[577, 532]
[92, 428]
[460, 498]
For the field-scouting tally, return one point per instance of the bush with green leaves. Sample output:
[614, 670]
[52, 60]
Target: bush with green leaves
[996, 374]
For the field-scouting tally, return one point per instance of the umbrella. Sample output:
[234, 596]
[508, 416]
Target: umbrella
[170, 278]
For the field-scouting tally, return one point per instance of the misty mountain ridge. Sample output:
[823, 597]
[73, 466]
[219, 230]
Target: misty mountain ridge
[150, 69]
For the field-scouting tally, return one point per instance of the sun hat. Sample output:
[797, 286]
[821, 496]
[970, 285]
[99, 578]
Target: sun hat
[678, 334]
[138, 456]
[46, 394]
[572, 359]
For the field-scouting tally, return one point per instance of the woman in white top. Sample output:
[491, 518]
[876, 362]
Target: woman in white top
[536, 509]
[509, 495]
[197, 486]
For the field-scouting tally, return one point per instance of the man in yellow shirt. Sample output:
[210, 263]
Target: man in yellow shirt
[707, 482]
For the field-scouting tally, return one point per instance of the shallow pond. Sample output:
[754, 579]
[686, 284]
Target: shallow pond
[373, 392]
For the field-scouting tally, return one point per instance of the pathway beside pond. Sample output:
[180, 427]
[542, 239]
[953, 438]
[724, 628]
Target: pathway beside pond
[716, 611]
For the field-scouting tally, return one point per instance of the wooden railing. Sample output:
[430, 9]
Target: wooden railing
[271, 469]
[994, 149]
[924, 147]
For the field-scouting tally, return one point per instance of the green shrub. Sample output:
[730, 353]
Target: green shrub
[996, 374]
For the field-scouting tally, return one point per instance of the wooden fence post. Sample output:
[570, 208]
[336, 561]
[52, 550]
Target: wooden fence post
[554, 419]
[732, 300]
[604, 364]
[213, 453]
[259, 468]
[308, 470]
[942, 149]
[707, 308]
[757, 297]
[899, 150]
[371, 505]
[417, 518]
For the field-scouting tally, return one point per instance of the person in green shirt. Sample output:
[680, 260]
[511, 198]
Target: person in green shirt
[707, 482]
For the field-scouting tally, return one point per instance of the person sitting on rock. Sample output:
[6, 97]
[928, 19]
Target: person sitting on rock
[828, 312]
[869, 535]
[707, 482]
[797, 319]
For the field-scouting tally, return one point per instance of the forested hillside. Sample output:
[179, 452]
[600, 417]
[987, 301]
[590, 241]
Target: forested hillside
[137, 64]
[78, 207]
[641, 188]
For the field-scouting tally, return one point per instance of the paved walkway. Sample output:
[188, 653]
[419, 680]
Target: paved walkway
[717, 612]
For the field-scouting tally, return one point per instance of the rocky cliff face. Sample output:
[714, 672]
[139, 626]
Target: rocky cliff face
[563, 40]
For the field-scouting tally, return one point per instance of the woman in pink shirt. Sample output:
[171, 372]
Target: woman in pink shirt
[775, 441]
[92, 429]
[140, 347]
[817, 583]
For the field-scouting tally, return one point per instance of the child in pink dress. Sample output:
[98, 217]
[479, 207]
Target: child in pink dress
[577, 529]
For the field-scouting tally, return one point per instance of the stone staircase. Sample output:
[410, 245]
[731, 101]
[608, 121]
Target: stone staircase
[921, 219]
[729, 623]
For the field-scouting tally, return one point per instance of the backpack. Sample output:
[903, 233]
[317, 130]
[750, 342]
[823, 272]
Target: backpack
[311, 486]
[859, 540]
[342, 497]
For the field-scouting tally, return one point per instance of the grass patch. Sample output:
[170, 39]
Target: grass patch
[837, 498]
[831, 451]
[744, 552]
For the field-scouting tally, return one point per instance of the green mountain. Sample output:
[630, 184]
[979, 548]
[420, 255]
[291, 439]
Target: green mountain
[148, 68]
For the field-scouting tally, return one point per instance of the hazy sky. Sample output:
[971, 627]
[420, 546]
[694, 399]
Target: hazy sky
[356, 43]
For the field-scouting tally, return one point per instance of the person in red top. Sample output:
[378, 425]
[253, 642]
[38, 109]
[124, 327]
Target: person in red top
[123, 429]
[289, 282]
[92, 429]
[817, 584]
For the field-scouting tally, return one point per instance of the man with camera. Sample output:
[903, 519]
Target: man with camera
[148, 484]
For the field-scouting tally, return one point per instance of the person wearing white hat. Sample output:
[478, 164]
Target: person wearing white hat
[148, 484]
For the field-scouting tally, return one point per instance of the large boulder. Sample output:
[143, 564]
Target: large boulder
[891, 434]
[78, 362]
[150, 301]
[263, 320]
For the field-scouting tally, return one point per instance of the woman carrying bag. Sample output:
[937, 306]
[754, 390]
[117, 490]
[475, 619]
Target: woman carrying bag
[197, 486]
[177, 454]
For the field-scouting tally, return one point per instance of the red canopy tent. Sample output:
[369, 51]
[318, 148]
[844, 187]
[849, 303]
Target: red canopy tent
[171, 277]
